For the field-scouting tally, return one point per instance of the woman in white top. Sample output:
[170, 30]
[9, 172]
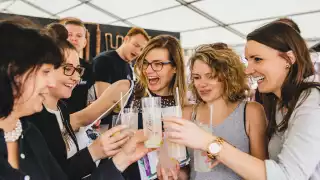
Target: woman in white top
[279, 59]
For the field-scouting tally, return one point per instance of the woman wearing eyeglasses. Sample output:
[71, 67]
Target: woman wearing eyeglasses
[160, 70]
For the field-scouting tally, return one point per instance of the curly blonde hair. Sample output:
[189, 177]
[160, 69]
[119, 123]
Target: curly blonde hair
[227, 67]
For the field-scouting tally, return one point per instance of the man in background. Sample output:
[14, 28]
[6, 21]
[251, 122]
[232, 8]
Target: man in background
[114, 65]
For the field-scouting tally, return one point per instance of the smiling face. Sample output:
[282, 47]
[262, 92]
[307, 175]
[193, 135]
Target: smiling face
[66, 83]
[35, 85]
[206, 82]
[266, 66]
[158, 78]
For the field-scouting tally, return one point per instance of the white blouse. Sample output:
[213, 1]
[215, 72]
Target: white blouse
[295, 153]
[70, 145]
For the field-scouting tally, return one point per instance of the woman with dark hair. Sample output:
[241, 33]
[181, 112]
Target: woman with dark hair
[26, 74]
[290, 23]
[279, 60]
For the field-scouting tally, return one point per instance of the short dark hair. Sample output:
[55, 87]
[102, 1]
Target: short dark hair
[21, 50]
[73, 21]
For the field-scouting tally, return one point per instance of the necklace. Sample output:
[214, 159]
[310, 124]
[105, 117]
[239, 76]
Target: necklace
[65, 135]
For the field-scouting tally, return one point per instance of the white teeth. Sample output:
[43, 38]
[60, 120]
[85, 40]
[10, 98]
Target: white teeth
[258, 78]
[152, 77]
[69, 85]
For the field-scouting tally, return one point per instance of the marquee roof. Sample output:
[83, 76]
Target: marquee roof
[198, 21]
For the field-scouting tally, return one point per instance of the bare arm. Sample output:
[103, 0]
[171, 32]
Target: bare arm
[108, 98]
[100, 87]
[254, 168]
[256, 125]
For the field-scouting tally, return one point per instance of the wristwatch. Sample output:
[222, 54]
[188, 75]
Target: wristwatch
[215, 147]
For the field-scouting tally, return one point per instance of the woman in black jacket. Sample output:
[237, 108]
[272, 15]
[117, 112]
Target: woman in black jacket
[27, 60]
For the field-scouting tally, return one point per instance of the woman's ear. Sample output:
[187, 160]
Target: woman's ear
[291, 56]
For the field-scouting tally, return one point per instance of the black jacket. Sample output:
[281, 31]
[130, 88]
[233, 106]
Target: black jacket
[79, 165]
[35, 159]
[43, 154]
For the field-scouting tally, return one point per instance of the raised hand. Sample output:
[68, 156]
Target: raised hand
[132, 151]
[186, 133]
[109, 143]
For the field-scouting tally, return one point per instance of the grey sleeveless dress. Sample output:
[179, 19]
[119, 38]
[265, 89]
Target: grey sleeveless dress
[233, 130]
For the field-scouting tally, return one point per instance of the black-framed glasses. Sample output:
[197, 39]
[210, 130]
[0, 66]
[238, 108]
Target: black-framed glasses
[69, 69]
[155, 65]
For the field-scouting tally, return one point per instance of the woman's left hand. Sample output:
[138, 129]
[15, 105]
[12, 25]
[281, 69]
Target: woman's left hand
[187, 133]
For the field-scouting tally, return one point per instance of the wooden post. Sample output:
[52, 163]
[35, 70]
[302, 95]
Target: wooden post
[87, 49]
[98, 40]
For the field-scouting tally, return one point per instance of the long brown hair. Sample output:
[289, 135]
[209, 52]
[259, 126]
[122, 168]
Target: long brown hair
[284, 38]
[228, 67]
[176, 57]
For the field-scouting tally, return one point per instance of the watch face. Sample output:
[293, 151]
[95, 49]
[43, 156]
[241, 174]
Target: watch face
[214, 148]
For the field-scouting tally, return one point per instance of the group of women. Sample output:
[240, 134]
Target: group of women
[40, 67]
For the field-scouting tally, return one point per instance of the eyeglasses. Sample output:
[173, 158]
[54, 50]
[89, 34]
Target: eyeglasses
[155, 65]
[69, 69]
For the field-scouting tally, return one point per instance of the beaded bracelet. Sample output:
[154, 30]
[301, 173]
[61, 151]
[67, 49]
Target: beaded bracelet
[14, 135]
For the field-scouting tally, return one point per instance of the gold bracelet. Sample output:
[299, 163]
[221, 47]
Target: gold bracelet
[218, 140]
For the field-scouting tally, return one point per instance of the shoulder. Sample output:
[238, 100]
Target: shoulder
[38, 118]
[309, 102]
[255, 116]
[254, 107]
[103, 56]
[310, 97]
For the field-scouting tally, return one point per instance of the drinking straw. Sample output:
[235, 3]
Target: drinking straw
[177, 102]
[211, 113]
[121, 98]
[147, 90]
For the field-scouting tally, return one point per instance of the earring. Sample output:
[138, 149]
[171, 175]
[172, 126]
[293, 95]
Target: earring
[287, 66]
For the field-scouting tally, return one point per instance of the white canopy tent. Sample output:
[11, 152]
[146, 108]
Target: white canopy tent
[198, 21]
